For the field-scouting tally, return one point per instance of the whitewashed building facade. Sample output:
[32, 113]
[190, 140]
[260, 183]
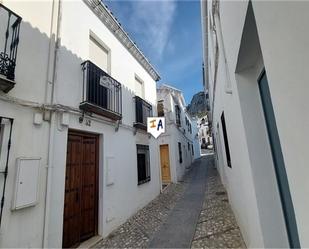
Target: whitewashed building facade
[204, 135]
[196, 141]
[256, 55]
[176, 144]
[73, 118]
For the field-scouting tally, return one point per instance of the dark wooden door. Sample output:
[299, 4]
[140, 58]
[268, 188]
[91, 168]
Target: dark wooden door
[81, 191]
[88, 188]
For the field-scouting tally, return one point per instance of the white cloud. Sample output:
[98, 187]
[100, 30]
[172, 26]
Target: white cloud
[153, 20]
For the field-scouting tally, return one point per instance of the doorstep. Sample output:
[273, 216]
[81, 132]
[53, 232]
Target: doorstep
[90, 242]
[165, 187]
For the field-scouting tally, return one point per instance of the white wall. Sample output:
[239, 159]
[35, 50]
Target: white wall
[285, 60]
[196, 142]
[174, 134]
[14, 231]
[120, 145]
[30, 140]
[285, 65]
[238, 179]
[32, 54]
[203, 130]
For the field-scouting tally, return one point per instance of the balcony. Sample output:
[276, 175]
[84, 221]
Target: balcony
[102, 94]
[9, 39]
[143, 110]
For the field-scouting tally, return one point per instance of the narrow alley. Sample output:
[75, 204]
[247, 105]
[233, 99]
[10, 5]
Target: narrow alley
[154, 124]
[193, 213]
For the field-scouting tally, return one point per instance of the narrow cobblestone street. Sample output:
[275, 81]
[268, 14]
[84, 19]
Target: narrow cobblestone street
[217, 226]
[192, 213]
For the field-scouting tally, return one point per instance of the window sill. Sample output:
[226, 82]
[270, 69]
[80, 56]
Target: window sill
[140, 126]
[143, 181]
[93, 108]
[5, 84]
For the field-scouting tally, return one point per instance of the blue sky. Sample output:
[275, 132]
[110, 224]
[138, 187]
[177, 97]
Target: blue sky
[169, 34]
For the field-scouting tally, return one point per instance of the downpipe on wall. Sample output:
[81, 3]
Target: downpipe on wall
[49, 99]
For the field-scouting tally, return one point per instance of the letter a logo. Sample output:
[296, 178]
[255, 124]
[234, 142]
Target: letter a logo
[156, 126]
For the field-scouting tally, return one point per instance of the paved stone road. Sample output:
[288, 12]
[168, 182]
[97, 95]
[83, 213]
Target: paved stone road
[207, 222]
[138, 230]
[217, 226]
[179, 228]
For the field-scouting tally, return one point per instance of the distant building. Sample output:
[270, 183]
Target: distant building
[177, 143]
[256, 59]
[196, 141]
[204, 134]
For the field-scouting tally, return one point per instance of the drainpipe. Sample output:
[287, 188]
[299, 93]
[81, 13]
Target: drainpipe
[204, 14]
[48, 115]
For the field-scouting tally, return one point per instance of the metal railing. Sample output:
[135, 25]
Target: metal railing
[143, 110]
[102, 94]
[9, 39]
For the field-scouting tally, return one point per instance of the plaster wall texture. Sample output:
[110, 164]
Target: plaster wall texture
[284, 59]
[117, 201]
[175, 134]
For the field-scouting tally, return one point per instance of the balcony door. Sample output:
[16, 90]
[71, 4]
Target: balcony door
[100, 56]
[81, 189]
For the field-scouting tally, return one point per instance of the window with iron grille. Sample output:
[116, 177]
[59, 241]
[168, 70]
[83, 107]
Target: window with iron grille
[160, 108]
[192, 149]
[180, 152]
[226, 142]
[143, 163]
[178, 113]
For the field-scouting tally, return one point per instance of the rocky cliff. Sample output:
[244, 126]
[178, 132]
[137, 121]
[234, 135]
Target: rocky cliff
[197, 107]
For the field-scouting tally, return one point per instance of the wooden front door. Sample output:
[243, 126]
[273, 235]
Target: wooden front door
[165, 163]
[81, 189]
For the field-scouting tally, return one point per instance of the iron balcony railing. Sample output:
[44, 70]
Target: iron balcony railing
[9, 39]
[101, 93]
[143, 110]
